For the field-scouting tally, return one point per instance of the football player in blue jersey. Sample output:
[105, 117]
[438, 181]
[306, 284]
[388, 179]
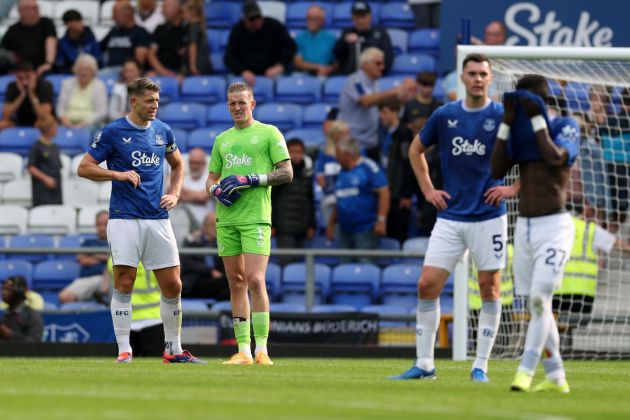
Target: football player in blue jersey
[471, 213]
[545, 149]
[135, 147]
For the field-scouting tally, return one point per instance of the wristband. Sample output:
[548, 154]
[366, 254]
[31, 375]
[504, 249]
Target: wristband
[504, 132]
[212, 188]
[538, 123]
[263, 179]
[381, 218]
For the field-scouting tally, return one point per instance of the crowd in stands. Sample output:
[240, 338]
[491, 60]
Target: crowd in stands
[348, 94]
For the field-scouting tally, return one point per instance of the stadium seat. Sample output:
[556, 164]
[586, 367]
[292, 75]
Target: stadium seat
[342, 15]
[104, 192]
[100, 31]
[321, 242]
[555, 88]
[18, 192]
[214, 38]
[182, 222]
[399, 286]
[184, 115]
[333, 87]
[222, 306]
[387, 310]
[52, 219]
[294, 283]
[80, 192]
[4, 83]
[418, 244]
[218, 65]
[203, 89]
[355, 284]
[110, 80]
[18, 139]
[284, 116]
[87, 218]
[204, 137]
[107, 12]
[273, 280]
[66, 163]
[332, 308]
[389, 82]
[424, 41]
[54, 275]
[438, 89]
[315, 115]
[181, 138]
[72, 141]
[55, 80]
[274, 9]
[388, 244]
[74, 240]
[74, 165]
[412, 64]
[397, 15]
[169, 88]
[32, 241]
[446, 303]
[298, 89]
[219, 115]
[16, 267]
[576, 94]
[194, 305]
[14, 219]
[11, 166]
[221, 14]
[263, 89]
[287, 307]
[296, 13]
[312, 137]
[399, 38]
[87, 306]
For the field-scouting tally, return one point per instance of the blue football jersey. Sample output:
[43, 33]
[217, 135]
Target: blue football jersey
[465, 139]
[565, 133]
[126, 146]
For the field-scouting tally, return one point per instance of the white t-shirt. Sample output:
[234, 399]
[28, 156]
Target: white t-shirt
[603, 240]
[199, 211]
[150, 22]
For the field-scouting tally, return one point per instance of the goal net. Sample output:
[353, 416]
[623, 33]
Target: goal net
[592, 309]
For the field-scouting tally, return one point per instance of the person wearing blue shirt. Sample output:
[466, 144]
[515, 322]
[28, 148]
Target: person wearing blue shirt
[135, 148]
[471, 213]
[78, 39]
[545, 149]
[315, 45]
[362, 199]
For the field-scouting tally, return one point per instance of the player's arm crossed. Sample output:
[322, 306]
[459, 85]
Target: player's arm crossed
[170, 199]
[89, 168]
[421, 169]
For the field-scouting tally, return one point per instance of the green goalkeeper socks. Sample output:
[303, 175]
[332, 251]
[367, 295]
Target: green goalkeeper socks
[242, 334]
[260, 322]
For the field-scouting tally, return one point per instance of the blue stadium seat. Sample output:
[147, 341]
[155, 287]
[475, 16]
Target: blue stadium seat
[284, 116]
[218, 65]
[219, 115]
[312, 137]
[332, 308]
[110, 80]
[273, 281]
[438, 89]
[418, 244]
[446, 304]
[424, 41]
[263, 89]
[169, 88]
[294, 283]
[18, 139]
[314, 115]
[74, 240]
[87, 306]
[32, 241]
[222, 306]
[388, 82]
[397, 15]
[323, 243]
[54, 275]
[16, 267]
[287, 307]
[55, 80]
[576, 94]
[221, 14]
[387, 310]
[4, 83]
[184, 115]
[51, 298]
[555, 88]
[333, 87]
[389, 244]
[181, 138]
[72, 141]
[342, 15]
[299, 89]
[204, 137]
[449, 285]
[49, 306]
[399, 286]
[355, 284]
[399, 38]
[412, 64]
[194, 305]
[215, 37]
[296, 13]
[203, 89]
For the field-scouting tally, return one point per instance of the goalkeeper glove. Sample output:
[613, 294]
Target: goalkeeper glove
[226, 199]
[233, 183]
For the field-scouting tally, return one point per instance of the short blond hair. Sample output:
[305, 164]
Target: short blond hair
[241, 87]
[139, 86]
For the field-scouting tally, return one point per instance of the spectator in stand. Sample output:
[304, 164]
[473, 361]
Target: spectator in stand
[93, 283]
[27, 98]
[194, 193]
[424, 103]
[167, 55]
[293, 204]
[198, 49]
[33, 38]
[315, 45]
[204, 276]
[327, 168]
[258, 46]
[426, 13]
[44, 164]
[362, 199]
[353, 41]
[119, 101]
[124, 40]
[358, 102]
[400, 177]
[83, 98]
[20, 322]
[78, 39]
[148, 16]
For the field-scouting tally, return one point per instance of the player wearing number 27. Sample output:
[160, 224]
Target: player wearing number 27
[471, 216]
[247, 159]
[544, 233]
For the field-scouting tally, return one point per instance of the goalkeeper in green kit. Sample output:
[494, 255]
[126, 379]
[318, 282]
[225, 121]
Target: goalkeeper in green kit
[246, 161]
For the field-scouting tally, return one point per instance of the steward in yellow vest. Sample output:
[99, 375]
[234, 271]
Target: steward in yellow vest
[506, 286]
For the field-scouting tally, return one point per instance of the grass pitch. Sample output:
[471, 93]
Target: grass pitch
[86, 388]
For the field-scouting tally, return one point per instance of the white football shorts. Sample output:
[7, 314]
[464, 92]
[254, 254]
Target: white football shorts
[150, 241]
[451, 239]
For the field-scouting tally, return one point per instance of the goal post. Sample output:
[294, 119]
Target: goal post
[588, 84]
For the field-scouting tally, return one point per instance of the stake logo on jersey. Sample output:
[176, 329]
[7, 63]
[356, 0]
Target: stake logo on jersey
[465, 139]
[233, 160]
[126, 146]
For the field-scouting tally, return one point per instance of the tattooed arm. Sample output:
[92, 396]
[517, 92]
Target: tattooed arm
[283, 174]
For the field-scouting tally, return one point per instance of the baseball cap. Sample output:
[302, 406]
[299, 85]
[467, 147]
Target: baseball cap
[360, 8]
[251, 10]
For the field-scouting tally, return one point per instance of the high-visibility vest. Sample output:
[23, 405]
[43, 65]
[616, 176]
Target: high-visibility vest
[580, 272]
[145, 299]
[506, 286]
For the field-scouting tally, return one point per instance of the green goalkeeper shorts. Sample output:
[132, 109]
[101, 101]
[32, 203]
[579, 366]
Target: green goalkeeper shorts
[242, 239]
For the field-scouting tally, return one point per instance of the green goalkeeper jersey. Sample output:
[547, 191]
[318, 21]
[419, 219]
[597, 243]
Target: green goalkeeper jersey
[254, 149]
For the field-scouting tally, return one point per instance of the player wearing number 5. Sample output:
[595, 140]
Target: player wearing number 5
[247, 159]
[544, 232]
[471, 216]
